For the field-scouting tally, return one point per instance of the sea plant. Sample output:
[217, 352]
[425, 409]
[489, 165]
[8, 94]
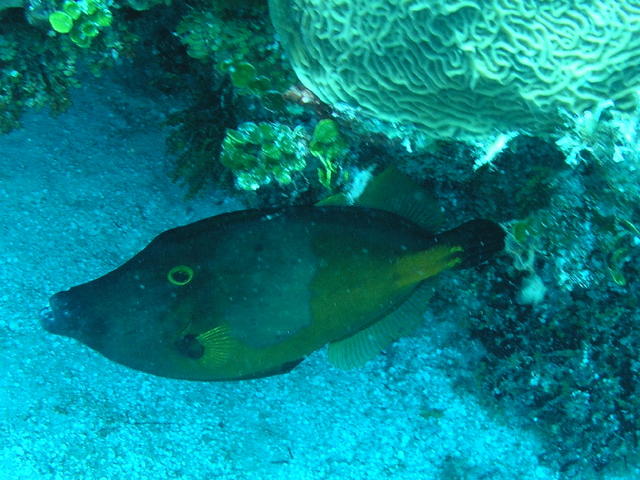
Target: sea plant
[329, 146]
[82, 20]
[259, 153]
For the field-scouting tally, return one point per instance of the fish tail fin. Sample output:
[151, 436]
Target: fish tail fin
[479, 240]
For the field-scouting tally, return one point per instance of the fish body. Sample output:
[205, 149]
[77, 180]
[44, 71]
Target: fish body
[251, 293]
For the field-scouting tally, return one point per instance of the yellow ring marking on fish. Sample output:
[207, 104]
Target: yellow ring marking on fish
[178, 271]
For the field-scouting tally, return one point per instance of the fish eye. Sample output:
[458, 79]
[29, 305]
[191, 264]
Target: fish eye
[180, 275]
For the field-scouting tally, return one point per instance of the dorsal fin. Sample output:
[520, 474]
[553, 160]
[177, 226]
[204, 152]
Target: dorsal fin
[358, 349]
[394, 192]
[337, 200]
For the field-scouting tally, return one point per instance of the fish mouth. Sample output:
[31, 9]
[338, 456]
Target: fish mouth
[58, 318]
[70, 314]
[47, 319]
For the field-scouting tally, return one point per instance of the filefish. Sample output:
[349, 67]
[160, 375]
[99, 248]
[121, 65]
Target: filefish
[251, 293]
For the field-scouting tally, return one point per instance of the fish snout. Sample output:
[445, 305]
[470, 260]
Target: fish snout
[47, 320]
[58, 318]
[72, 313]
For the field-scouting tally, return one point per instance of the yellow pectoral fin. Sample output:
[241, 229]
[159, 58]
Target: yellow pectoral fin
[218, 345]
[416, 267]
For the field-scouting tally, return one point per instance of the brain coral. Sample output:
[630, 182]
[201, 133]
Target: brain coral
[465, 69]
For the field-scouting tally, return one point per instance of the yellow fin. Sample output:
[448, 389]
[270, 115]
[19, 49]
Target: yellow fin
[358, 349]
[218, 345]
[354, 283]
[415, 267]
[397, 193]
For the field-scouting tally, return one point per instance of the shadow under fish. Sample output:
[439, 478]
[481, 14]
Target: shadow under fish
[251, 293]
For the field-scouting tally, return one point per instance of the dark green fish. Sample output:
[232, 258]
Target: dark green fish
[251, 293]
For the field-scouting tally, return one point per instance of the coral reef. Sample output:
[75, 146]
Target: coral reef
[330, 147]
[239, 41]
[557, 317]
[236, 42]
[36, 70]
[557, 320]
[83, 21]
[46, 45]
[197, 133]
[465, 70]
[258, 153]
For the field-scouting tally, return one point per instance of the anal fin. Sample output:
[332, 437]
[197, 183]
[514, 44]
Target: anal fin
[358, 349]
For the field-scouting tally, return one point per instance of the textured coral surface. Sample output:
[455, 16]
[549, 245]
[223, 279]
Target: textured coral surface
[468, 68]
